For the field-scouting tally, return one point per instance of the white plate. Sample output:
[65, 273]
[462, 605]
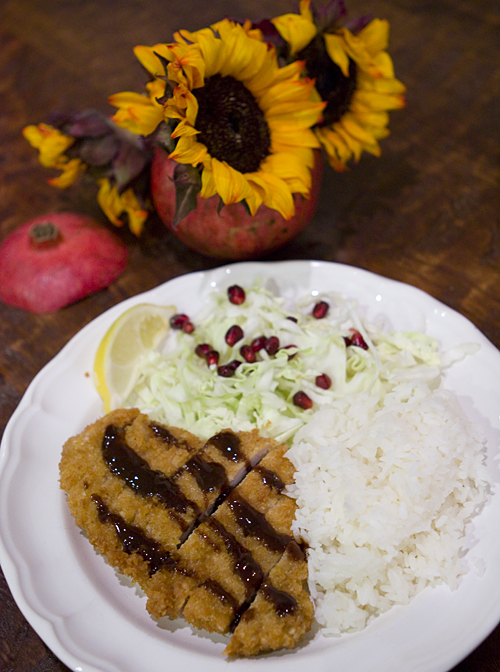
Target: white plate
[93, 621]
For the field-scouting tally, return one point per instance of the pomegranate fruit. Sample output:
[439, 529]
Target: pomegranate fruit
[56, 259]
[231, 233]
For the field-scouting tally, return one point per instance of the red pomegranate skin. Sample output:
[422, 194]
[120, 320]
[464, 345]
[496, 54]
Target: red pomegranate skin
[230, 234]
[44, 277]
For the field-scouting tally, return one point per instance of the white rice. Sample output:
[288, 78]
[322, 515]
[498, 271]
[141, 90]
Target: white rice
[385, 488]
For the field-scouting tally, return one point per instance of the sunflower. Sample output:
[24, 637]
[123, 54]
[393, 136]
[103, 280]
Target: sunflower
[232, 112]
[89, 143]
[354, 75]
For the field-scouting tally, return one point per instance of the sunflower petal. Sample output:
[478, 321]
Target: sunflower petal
[188, 150]
[290, 168]
[355, 130]
[70, 172]
[297, 30]
[335, 47]
[375, 36]
[277, 194]
[148, 59]
[208, 187]
[380, 101]
[231, 185]
[137, 113]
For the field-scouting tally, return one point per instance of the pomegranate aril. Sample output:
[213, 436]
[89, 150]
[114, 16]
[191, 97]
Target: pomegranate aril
[203, 349]
[212, 357]
[272, 345]
[301, 400]
[227, 370]
[324, 381]
[357, 339]
[236, 294]
[247, 353]
[234, 334]
[188, 327]
[176, 321]
[258, 343]
[320, 309]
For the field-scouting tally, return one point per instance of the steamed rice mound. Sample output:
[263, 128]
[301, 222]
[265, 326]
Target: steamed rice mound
[385, 487]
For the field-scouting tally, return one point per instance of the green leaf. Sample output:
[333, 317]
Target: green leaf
[162, 135]
[187, 181]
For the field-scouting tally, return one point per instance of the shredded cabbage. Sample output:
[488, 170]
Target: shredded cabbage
[177, 387]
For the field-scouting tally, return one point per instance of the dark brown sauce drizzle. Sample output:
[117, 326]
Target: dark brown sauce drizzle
[284, 603]
[245, 565]
[137, 474]
[163, 433]
[295, 551]
[270, 478]
[210, 476]
[228, 444]
[216, 589]
[134, 540]
[254, 524]
[168, 438]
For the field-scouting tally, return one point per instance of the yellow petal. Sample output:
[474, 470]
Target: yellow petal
[383, 62]
[298, 115]
[208, 187]
[109, 201]
[355, 130]
[188, 65]
[337, 150]
[71, 171]
[231, 185]
[380, 101]
[335, 47]
[182, 105]
[283, 92]
[291, 169]
[188, 151]
[136, 214]
[183, 128]
[149, 60]
[305, 11]
[254, 198]
[352, 143]
[136, 113]
[375, 36]
[296, 29]
[50, 142]
[277, 195]
[284, 138]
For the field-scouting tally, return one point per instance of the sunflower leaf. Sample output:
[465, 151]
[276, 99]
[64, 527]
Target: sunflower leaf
[162, 136]
[246, 206]
[187, 181]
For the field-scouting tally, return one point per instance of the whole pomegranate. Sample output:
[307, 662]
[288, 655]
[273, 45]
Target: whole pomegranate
[56, 259]
[231, 233]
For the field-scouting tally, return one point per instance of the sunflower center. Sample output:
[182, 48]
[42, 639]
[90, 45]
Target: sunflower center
[232, 126]
[332, 85]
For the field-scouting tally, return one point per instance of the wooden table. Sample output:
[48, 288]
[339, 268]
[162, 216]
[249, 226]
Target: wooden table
[425, 213]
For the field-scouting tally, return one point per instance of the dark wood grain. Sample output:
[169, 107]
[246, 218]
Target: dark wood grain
[426, 212]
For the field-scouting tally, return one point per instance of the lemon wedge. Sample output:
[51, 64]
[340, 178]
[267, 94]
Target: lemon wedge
[118, 359]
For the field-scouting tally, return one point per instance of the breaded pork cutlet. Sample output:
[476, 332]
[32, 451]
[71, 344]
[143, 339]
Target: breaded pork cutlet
[202, 527]
[236, 547]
